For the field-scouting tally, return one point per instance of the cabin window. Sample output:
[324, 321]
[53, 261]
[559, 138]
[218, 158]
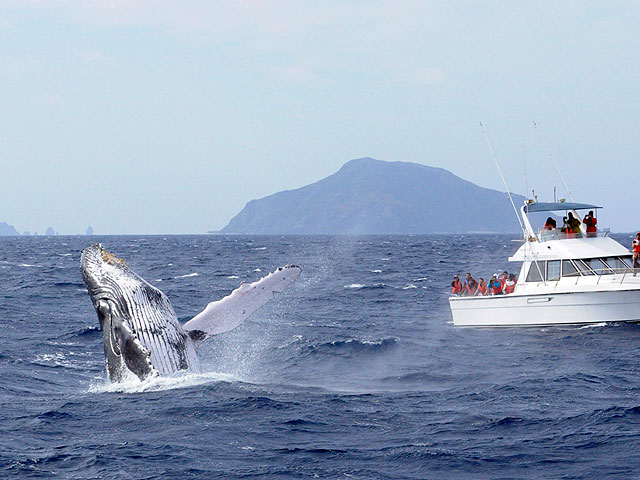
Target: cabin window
[616, 263]
[535, 271]
[598, 266]
[553, 270]
[583, 267]
[569, 269]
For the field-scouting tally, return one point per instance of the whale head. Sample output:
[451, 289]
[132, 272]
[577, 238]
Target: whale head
[114, 290]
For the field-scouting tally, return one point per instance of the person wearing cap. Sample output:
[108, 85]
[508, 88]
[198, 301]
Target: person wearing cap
[456, 286]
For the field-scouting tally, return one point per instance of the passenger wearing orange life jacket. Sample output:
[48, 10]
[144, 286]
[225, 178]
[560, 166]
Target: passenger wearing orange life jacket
[482, 287]
[635, 246]
[590, 221]
[471, 285]
[456, 286]
[510, 284]
[495, 287]
[502, 278]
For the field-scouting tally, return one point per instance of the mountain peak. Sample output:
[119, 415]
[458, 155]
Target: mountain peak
[368, 196]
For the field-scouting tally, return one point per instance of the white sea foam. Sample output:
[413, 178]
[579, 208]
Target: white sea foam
[376, 271]
[355, 285]
[194, 274]
[594, 325]
[257, 270]
[27, 265]
[260, 248]
[410, 286]
[233, 276]
[131, 384]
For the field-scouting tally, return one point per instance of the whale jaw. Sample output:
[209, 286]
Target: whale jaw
[140, 331]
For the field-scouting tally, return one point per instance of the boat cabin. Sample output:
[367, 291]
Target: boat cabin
[550, 257]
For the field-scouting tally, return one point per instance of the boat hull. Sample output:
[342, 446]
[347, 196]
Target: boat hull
[554, 308]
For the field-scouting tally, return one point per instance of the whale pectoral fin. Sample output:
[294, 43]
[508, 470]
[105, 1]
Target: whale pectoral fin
[135, 355]
[226, 314]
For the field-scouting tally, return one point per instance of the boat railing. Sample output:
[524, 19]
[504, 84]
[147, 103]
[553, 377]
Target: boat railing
[556, 234]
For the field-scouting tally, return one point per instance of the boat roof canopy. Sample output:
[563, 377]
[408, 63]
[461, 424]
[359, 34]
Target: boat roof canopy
[553, 206]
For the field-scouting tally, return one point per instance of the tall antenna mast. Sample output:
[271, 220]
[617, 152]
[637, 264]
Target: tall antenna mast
[504, 182]
[546, 147]
[524, 160]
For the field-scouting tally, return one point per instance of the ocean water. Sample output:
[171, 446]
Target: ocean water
[354, 372]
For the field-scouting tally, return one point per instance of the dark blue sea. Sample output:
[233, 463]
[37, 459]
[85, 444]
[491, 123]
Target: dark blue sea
[354, 372]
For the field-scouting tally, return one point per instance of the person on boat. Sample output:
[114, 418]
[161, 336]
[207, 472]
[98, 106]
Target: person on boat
[635, 247]
[494, 287]
[510, 284]
[503, 278]
[482, 287]
[590, 221]
[573, 223]
[456, 286]
[550, 224]
[471, 285]
[565, 228]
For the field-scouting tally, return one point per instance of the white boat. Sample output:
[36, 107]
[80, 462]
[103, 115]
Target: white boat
[564, 279]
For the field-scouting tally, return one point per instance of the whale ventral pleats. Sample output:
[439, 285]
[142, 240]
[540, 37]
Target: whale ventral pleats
[112, 259]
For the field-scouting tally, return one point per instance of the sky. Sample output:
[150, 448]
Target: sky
[154, 116]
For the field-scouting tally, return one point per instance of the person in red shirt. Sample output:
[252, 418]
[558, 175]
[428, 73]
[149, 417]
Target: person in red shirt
[456, 286]
[635, 246]
[590, 221]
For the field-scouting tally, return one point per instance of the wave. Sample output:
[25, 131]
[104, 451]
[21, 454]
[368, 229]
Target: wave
[194, 274]
[87, 332]
[353, 346]
[361, 286]
[132, 384]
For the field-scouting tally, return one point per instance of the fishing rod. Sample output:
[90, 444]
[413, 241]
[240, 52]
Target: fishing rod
[504, 182]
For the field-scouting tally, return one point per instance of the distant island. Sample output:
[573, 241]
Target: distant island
[6, 229]
[368, 196]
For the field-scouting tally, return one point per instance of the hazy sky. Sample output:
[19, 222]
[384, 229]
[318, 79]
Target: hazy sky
[153, 116]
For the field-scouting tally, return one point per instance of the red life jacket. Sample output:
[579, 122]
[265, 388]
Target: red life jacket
[591, 224]
[509, 286]
[456, 287]
[482, 288]
[496, 288]
[636, 245]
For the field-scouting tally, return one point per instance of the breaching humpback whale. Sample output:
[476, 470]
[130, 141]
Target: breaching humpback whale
[140, 330]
